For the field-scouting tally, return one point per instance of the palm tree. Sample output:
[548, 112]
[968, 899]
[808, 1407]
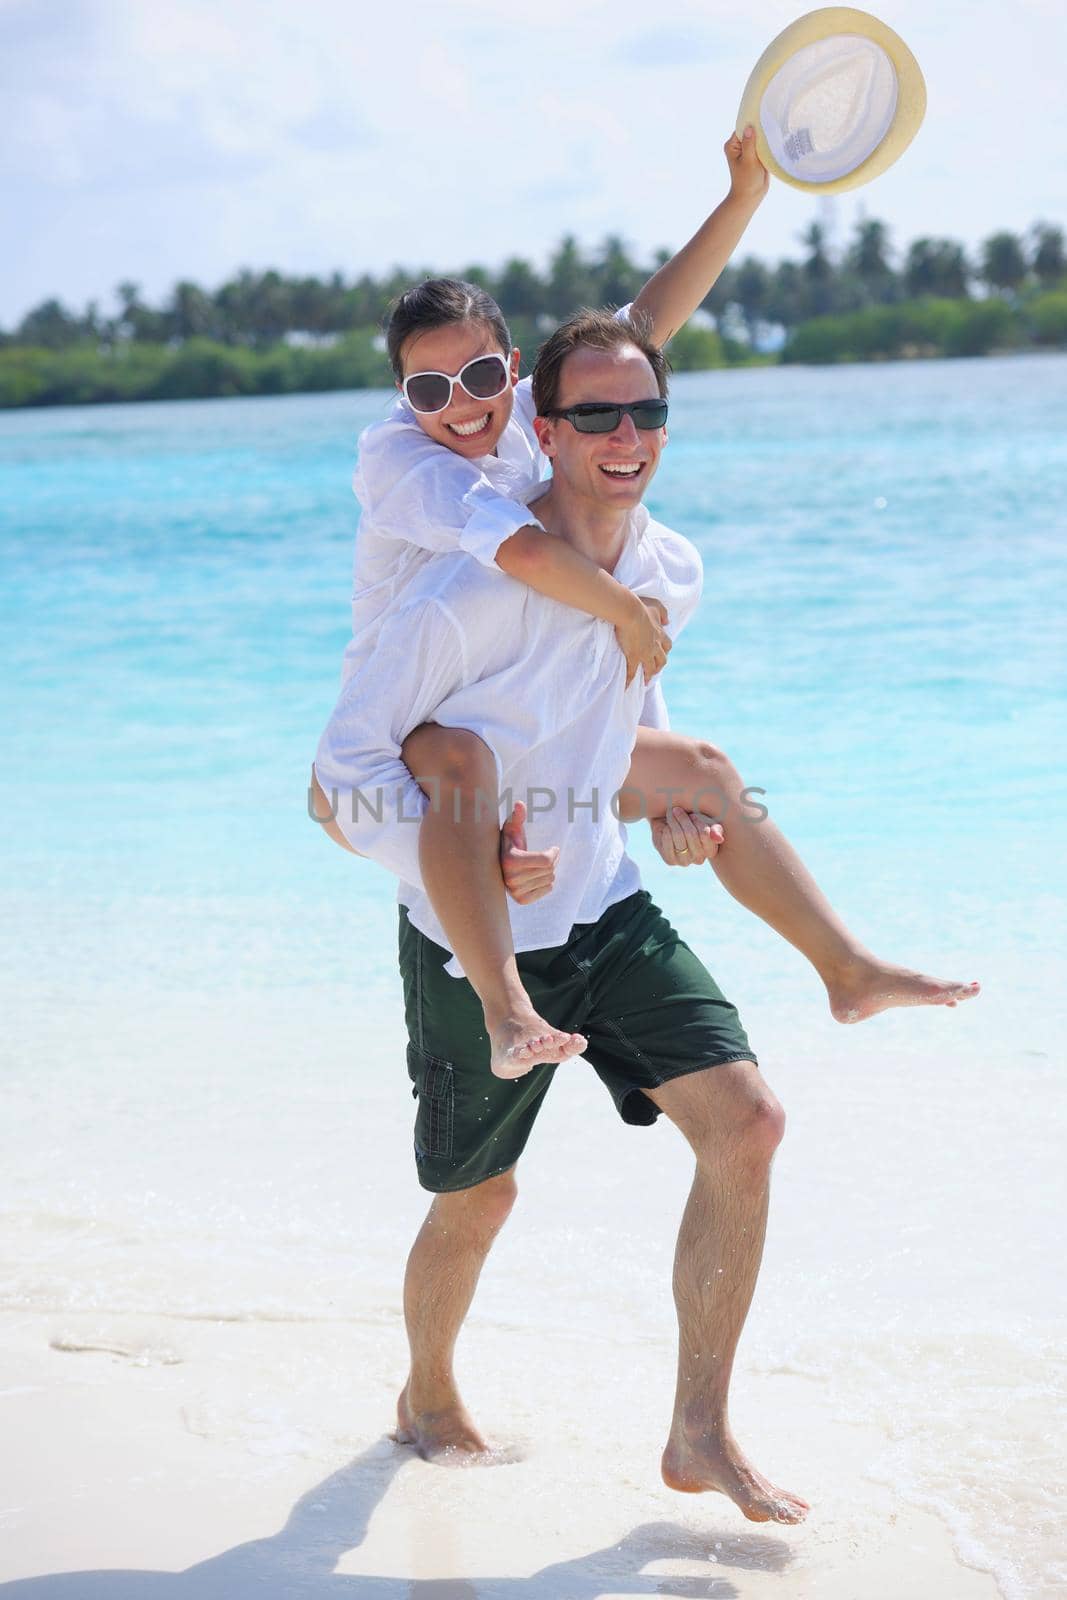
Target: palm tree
[49, 325]
[191, 313]
[867, 260]
[518, 290]
[618, 281]
[818, 271]
[570, 280]
[1049, 260]
[936, 267]
[751, 290]
[786, 295]
[1004, 263]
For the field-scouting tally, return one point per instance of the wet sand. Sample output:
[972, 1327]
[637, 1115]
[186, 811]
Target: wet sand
[252, 1460]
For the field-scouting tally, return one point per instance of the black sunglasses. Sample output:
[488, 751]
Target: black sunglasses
[592, 417]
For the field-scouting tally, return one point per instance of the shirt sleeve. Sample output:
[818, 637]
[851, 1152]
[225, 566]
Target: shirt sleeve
[676, 578]
[421, 493]
[654, 713]
[417, 662]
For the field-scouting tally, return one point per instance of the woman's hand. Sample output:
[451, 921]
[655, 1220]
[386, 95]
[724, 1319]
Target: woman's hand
[643, 639]
[749, 178]
[686, 838]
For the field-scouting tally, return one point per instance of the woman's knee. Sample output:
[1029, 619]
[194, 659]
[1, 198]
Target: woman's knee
[672, 769]
[455, 757]
[715, 780]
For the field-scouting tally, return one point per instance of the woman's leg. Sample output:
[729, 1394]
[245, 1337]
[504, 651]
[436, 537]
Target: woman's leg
[459, 854]
[760, 868]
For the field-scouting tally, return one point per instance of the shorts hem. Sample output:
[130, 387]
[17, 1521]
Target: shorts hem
[722, 1061]
[650, 1112]
[457, 1188]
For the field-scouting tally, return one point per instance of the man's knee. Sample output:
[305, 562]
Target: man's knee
[763, 1127]
[728, 1114]
[485, 1207]
[745, 1142]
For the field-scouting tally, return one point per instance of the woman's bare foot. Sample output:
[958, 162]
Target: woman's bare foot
[713, 1462]
[518, 1044]
[868, 987]
[444, 1434]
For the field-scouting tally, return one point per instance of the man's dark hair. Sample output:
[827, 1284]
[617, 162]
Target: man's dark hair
[436, 303]
[593, 330]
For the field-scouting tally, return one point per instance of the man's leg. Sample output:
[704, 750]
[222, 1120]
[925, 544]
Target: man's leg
[734, 1124]
[442, 1274]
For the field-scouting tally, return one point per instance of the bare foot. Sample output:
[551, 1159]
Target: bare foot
[518, 1044]
[713, 1462]
[443, 1435]
[873, 986]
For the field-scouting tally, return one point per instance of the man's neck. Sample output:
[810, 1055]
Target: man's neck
[598, 532]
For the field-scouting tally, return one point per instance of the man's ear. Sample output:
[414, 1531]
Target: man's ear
[544, 427]
[515, 354]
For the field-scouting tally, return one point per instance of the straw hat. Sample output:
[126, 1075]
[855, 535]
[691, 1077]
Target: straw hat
[834, 100]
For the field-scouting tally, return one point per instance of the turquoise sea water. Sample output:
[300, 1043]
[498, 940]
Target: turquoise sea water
[201, 1044]
[880, 646]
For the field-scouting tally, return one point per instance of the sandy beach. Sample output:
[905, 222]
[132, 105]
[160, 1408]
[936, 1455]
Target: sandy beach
[207, 1413]
[247, 1461]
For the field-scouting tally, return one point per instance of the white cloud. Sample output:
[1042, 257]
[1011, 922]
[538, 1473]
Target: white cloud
[187, 138]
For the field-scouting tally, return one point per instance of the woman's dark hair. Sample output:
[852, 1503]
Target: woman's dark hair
[435, 303]
[594, 330]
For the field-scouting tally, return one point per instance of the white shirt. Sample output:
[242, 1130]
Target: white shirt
[543, 685]
[419, 499]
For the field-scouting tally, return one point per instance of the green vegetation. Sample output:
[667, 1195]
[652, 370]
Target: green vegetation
[263, 333]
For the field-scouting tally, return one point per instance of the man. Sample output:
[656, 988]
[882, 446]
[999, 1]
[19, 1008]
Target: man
[540, 684]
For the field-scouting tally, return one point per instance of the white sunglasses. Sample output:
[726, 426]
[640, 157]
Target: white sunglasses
[483, 379]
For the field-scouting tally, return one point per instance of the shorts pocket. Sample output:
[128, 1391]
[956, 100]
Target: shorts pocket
[433, 1082]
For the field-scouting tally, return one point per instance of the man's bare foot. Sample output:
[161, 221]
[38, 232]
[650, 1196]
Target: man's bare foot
[517, 1044]
[872, 986]
[713, 1462]
[446, 1434]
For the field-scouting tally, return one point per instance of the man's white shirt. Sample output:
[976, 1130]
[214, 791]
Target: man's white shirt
[541, 683]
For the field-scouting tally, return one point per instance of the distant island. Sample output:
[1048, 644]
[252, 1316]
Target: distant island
[265, 333]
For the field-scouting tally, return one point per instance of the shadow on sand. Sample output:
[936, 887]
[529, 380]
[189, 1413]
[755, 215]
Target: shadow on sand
[298, 1562]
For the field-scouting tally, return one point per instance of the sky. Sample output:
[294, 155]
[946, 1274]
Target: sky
[154, 140]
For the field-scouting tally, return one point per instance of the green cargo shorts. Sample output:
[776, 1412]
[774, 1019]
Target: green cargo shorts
[649, 1008]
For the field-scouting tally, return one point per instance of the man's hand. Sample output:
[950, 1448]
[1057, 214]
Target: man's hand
[528, 874]
[643, 639]
[686, 838]
[749, 178]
